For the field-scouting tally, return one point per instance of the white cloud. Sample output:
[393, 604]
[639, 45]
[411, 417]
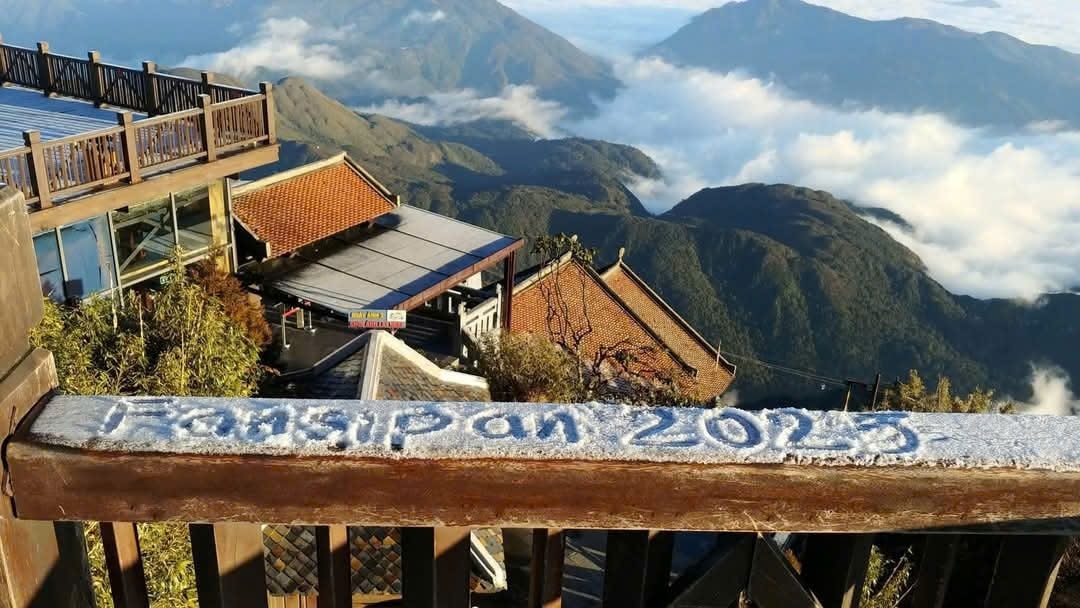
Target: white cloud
[285, 45]
[993, 215]
[1053, 394]
[517, 103]
[1055, 22]
[424, 17]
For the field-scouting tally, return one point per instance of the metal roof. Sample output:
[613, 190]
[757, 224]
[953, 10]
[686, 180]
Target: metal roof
[406, 255]
[56, 117]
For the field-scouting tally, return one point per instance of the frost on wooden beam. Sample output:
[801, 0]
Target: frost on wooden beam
[542, 466]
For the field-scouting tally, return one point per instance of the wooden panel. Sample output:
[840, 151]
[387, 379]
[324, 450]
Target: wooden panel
[834, 567]
[96, 486]
[124, 562]
[229, 566]
[637, 567]
[718, 579]
[335, 581]
[774, 583]
[546, 569]
[935, 559]
[1025, 572]
[452, 567]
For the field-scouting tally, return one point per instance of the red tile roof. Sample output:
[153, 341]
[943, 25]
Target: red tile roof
[297, 208]
[714, 373]
[590, 302]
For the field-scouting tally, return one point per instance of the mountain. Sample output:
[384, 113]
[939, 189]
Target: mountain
[362, 51]
[904, 65]
[772, 272]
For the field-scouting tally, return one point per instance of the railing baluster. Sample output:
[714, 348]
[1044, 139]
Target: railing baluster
[774, 583]
[452, 567]
[546, 570]
[834, 567]
[335, 580]
[637, 567]
[229, 568]
[124, 563]
[935, 560]
[1025, 572]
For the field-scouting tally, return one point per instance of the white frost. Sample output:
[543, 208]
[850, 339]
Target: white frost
[569, 432]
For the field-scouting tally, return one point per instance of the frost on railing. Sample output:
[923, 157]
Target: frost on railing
[560, 432]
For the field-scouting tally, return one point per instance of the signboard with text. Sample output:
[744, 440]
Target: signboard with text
[377, 319]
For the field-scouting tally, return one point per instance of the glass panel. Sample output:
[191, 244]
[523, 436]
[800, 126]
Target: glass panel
[88, 253]
[48, 262]
[193, 220]
[144, 236]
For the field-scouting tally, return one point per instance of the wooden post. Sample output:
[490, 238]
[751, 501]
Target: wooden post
[149, 69]
[39, 177]
[267, 89]
[509, 270]
[637, 567]
[207, 80]
[877, 387]
[335, 580]
[546, 570]
[97, 82]
[936, 559]
[209, 135]
[124, 563]
[453, 566]
[3, 63]
[834, 567]
[41, 563]
[229, 568]
[131, 146]
[1025, 572]
[418, 567]
[44, 69]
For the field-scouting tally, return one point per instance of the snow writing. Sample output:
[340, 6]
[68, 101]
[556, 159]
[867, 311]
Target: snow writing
[524, 431]
[399, 429]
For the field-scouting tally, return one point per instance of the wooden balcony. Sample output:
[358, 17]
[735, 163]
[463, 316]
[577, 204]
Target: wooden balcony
[189, 123]
[833, 479]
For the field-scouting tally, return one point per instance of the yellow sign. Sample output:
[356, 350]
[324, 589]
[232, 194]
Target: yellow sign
[377, 319]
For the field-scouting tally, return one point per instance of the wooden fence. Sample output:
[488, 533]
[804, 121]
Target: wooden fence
[191, 120]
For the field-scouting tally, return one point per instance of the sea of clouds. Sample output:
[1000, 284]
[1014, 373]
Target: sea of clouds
[992, 213]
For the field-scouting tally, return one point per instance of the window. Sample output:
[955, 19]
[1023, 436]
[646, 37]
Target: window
[50, 269]
[193, 220]
[145, 236]
[88, 257]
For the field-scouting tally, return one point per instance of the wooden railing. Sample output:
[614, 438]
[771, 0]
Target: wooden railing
[193, 120]
[146, 90]
[836, 479]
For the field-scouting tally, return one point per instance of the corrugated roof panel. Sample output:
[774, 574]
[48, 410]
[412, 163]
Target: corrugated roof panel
[415, 251]
[56, 117]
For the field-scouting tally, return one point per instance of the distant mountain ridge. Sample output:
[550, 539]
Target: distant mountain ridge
[781, 273]
[385, 48]
[904, 65]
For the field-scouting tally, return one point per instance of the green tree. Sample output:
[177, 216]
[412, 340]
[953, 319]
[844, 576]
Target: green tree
[182, 344]
[181, 341]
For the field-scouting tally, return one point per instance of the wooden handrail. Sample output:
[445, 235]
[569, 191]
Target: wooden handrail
[613, 468]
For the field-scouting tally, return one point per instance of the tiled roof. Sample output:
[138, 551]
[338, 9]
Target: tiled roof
[297, 208]
[402, 380]
[714, 374]
[613, 323]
